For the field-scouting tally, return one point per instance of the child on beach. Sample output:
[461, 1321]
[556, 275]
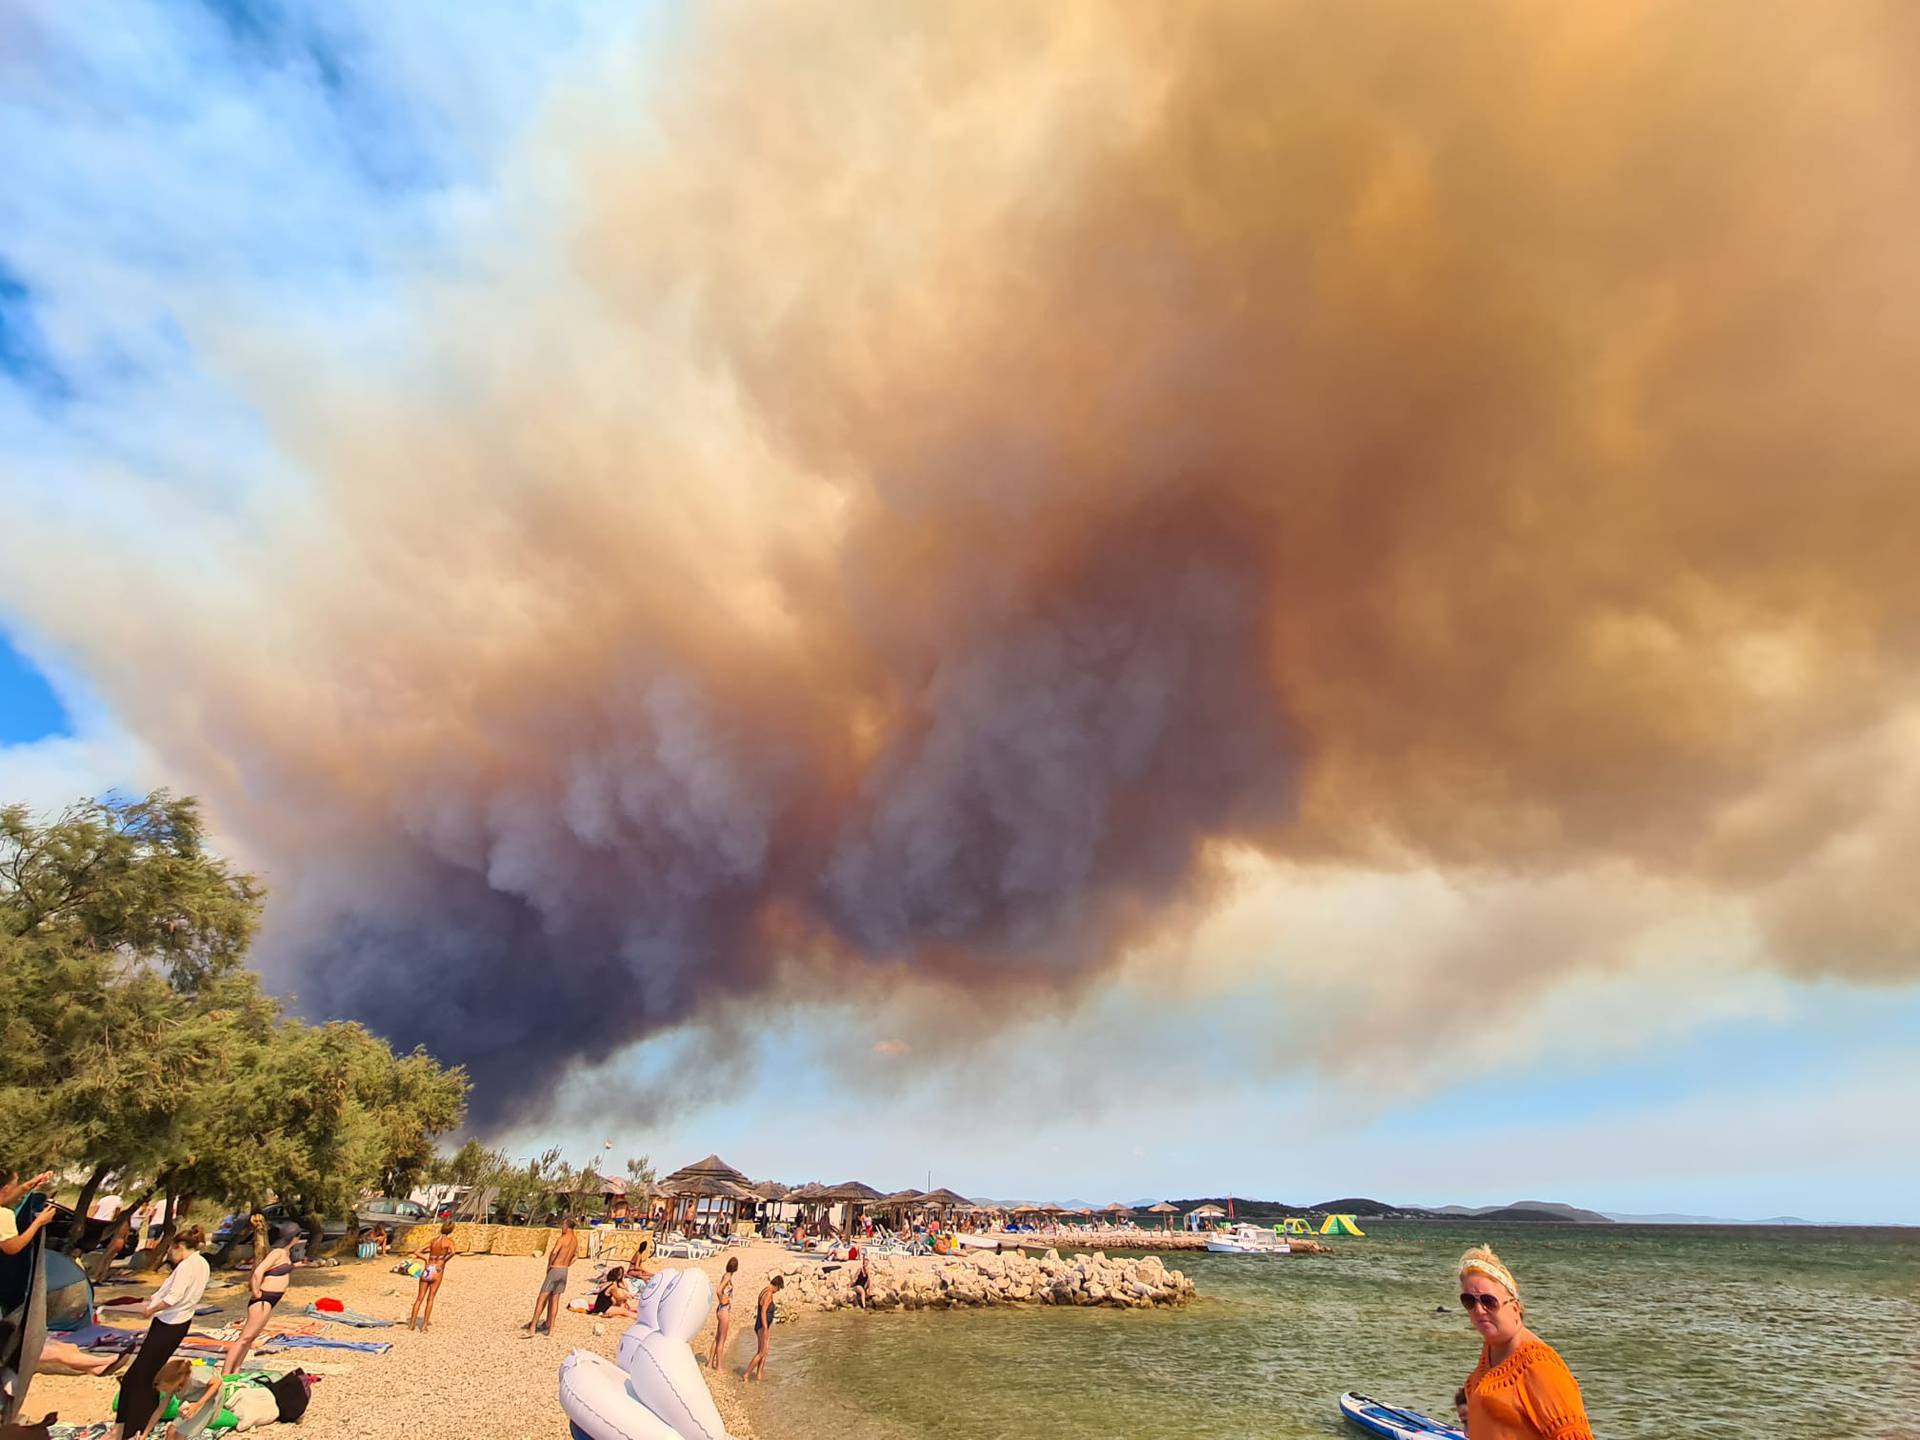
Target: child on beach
[723, 1312]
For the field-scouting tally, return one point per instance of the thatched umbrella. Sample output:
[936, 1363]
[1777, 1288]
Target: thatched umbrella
[945, 1199]
[1205, 1213]
[852, 1194]
[901, 1201]
[1164, 1209]
[808, 1197]
[710, 1185]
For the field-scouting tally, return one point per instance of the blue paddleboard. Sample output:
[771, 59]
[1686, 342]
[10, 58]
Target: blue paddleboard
[1392, 1421]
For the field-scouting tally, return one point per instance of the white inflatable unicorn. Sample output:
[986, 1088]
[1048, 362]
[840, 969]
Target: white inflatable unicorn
[655, 1391]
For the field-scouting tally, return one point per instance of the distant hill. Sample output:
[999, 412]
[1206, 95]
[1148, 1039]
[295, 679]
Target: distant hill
[1525, 1211]
[1669, 1219]
[1356, 1205]
[1529, 1215]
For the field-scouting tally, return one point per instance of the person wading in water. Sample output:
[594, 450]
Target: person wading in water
[1521, 1389]
[763, 1312]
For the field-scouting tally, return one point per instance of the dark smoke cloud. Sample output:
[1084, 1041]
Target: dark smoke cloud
[937, 478]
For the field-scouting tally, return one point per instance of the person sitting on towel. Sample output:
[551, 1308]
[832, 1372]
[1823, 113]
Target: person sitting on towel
[613, 1297]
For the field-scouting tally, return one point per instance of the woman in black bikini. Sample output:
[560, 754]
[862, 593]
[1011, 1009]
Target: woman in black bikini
[613, 1297]
[723, 1312]
[433, 1270]
[763, 1327]
[272, 1273]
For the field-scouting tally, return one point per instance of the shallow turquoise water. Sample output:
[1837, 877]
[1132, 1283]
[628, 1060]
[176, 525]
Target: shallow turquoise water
[1736, 1333]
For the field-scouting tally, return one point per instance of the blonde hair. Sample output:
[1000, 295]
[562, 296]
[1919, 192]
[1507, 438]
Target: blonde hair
[1481, 1260]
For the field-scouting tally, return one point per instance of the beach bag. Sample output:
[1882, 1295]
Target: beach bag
[291, 1392]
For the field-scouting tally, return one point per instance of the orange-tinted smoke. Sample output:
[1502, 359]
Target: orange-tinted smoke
[941, 469]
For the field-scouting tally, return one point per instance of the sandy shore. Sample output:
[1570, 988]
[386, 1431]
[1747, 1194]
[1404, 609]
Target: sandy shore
[474, 1376]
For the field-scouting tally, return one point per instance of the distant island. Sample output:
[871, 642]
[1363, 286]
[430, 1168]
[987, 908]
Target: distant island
[1525, 1212]
[1521, 1211]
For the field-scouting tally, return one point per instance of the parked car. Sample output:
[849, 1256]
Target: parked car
[385, 1210]
[236, 1224]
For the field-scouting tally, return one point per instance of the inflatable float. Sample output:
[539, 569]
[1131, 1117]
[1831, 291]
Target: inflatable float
[1394, 1422]
[653, 1389]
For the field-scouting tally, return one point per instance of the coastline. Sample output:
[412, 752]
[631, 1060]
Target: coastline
[476, 1376]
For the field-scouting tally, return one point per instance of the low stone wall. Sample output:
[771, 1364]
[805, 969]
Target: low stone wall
[1141, 1240]
[947, 1282]
[477, 1239]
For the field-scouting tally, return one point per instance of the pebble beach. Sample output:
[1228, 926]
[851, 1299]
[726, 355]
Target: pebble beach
[476, 1375]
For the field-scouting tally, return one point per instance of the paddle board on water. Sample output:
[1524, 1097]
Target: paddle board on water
[1393, 1421]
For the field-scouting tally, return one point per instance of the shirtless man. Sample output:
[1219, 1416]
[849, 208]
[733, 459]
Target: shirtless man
[555, 1285]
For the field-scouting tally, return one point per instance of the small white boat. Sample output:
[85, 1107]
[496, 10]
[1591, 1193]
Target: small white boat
[1244, 1239]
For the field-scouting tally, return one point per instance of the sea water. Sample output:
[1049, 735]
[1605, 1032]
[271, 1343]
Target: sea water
[1735, 1333]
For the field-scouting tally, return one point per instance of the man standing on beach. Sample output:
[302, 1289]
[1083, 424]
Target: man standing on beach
[555, 1285]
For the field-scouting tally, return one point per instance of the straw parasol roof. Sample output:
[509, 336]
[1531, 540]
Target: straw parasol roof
[810, 1193]
[945, 1199]
[904, 1197]
[852, 1191]
[1051, 1209]
[1118, 1209]
[1163, 1208]
[711, 1176]
[1208, 1210]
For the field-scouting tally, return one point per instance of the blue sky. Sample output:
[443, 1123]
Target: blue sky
[29, 710]
[216, 208]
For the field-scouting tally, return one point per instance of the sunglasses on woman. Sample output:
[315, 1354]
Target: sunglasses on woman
[1486, 1302]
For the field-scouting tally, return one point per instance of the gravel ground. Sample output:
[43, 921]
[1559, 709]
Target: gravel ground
[474, 1376]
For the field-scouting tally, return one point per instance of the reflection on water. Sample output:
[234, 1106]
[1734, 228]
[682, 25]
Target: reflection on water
[1734, 1332]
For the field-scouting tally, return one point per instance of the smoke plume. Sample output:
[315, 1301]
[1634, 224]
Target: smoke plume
[900, 492]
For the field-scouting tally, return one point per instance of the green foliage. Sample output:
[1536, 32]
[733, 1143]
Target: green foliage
[128, 877]
[133, 1041]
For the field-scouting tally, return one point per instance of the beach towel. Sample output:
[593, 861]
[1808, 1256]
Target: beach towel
[324, 1342]
[351, 1317]
[106, 1337]
[98, 1430]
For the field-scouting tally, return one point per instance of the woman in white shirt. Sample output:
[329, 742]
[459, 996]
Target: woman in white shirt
[171, 1307]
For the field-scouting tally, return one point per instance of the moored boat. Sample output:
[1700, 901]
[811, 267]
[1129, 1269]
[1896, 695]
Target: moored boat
[1245, 1239]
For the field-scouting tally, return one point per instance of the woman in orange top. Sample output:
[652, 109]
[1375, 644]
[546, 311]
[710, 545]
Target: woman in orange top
[1521, 1389]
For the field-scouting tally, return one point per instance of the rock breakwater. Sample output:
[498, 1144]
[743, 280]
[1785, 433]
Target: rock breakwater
[903, 1282]
[1124, 1239]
